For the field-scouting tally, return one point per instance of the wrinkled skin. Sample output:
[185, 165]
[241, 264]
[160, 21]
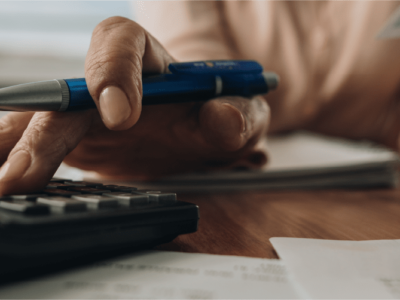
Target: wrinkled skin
[126, 140]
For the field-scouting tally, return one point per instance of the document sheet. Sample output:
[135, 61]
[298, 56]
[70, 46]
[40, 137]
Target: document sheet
[342, 269]
[298, 160]
[166, 275]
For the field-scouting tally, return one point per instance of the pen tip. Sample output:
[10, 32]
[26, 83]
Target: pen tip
[38, 96]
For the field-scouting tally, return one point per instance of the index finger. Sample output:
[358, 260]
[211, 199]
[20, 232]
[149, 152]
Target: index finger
[49, 137]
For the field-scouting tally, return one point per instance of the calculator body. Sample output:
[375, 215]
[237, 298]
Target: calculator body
[34, 244]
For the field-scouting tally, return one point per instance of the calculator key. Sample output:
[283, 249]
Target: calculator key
[97, 201]
[59, 192]
[157, 196]
[31, 197]
[84, 183]
[57, 185]
[152, 198]
[62, 204]
[89, 190]
[120, 188]
[128, 199]
[25, 207]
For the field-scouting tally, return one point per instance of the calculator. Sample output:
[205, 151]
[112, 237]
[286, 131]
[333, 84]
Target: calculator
[71, 223]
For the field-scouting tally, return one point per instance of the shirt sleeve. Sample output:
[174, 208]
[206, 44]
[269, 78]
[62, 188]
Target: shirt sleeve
[189, 30]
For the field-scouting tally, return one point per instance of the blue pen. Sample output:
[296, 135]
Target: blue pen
[187, 82]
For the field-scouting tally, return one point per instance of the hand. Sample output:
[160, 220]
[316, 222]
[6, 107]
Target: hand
[121, 139]
[377, 120]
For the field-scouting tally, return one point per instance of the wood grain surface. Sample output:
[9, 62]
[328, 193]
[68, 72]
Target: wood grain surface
[243, 223]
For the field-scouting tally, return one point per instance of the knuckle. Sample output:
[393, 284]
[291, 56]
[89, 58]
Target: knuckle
[114, 61]
[44, 137]
[115, 54]
[10, 124]
[112, 68]
[6, 126]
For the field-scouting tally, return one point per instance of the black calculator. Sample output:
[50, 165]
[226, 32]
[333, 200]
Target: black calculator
[76, 222]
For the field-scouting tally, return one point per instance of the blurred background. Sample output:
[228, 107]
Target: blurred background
[42, 40]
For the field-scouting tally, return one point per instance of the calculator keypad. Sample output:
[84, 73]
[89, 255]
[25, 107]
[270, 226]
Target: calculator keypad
[67, 196]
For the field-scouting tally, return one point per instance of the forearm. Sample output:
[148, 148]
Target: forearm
[193, 30]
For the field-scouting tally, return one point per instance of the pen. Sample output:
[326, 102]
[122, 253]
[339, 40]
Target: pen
[186, 82]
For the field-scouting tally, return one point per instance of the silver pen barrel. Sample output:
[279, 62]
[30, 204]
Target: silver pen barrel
[271, 79]
[52, 95]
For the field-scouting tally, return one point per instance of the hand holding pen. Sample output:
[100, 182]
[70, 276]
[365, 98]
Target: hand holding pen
[121, 139]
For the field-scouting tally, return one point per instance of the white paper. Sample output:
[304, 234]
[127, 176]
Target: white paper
[305, 150]
[391, 30]
[65, 171]
[158, 274]
[298, 160]
[342, 269]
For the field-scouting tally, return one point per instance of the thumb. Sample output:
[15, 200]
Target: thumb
[120, 51]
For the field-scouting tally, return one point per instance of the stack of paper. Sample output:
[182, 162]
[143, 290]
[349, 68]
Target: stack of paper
[300, 160]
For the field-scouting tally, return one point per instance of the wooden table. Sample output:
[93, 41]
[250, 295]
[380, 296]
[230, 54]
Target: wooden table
[242, 223]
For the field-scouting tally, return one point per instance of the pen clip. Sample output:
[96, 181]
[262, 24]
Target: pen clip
[216, 67]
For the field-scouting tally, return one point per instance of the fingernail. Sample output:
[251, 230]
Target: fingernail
[15, 167]
[114, 106]
[237, 122]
